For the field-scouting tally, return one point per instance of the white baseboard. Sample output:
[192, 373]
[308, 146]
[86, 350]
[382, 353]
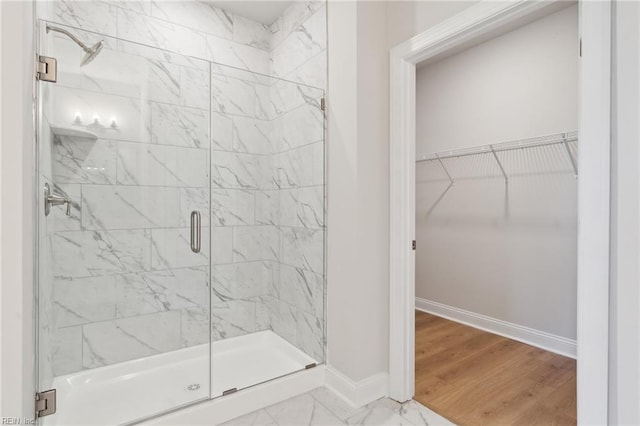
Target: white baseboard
[540, 339]
[359, 393]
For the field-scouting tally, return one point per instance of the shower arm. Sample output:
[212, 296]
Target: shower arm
[71, 36]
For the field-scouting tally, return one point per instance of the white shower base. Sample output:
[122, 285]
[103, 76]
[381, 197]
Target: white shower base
[133, 390]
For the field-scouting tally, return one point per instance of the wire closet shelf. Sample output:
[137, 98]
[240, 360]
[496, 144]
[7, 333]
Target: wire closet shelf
[563, 139]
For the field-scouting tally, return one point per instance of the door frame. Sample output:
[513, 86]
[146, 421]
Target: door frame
[474, 25]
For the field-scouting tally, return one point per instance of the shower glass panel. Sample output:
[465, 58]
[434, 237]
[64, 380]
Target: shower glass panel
[124, 141]
[157, 153]
[267, 201]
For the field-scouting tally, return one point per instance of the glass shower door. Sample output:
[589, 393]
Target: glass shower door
[123, 230]
[267, 203]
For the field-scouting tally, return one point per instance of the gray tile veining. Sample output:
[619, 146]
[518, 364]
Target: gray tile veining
[84, 300]
[232, 96]
[66, 350]
[305, 42]
[129, 207]
[247, 32]
[233, 318]
[232, 207]
[99, 16]
[324, 407]
[79, 254]
[278, 316]
[194, 326]
[302, 410]
[194, 199]
[78, 160]
[194, 87]
[109, 342]
[251, 243]
[181, 126]
[156, 32]
[200, 16]
[161, 165]
[294, 168]
[303, 248]
[149, 292]
[310, 335]
[171, 248]
[240, 280]
[237, 55]
[257, 418]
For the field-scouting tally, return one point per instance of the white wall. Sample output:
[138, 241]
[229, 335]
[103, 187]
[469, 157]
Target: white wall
[357, 269]
[16, 189]
[520, 85]
[624, 331]
[408, 18]
[373, 175]
[507, 255]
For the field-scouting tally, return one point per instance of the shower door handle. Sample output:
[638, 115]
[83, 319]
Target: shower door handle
[195, 231]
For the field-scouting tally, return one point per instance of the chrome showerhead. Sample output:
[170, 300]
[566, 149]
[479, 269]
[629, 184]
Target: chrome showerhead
[90, 52]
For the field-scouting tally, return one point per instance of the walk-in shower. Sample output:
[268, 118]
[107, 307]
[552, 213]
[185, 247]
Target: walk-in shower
[132, 320]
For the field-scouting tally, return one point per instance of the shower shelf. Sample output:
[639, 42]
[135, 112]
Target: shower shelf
[72, 131]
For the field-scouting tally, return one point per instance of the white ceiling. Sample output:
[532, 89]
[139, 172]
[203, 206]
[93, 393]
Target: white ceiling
[265, 11]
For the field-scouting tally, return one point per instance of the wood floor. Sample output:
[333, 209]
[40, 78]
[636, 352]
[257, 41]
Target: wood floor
[473, 377]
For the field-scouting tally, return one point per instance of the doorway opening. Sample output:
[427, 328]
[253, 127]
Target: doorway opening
[476, 25]
[496, 227]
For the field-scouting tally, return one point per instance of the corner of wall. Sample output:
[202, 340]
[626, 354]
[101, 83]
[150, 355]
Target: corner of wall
[359, 393]
[357, 258]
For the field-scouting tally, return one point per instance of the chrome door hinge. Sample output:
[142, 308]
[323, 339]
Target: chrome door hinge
[45, 403]
[413, 244]
[47, 69]
[322, 104]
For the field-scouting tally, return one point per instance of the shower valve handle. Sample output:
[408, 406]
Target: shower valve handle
[54, 200]
[57, 200]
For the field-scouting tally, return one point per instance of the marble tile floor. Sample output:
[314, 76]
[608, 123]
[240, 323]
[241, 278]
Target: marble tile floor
[323, 407]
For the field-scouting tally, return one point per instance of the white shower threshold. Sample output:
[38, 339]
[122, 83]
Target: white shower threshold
[133, 390]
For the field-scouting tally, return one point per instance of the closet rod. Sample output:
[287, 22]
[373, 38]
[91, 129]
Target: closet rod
[561, 138]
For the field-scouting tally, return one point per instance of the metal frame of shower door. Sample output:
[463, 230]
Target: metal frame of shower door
[476, 24]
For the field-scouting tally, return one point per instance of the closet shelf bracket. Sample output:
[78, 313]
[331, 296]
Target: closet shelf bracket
[493, 151]
[445, 169]
[565, 142]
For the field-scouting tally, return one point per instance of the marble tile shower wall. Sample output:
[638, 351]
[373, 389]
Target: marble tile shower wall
[299, 44]
[268, 187]
[125, 282]
[267, 198]
[295, 307]
[118, 297]
[293, 47]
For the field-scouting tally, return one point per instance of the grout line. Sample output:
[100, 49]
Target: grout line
[297, 25]
[288, 75]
